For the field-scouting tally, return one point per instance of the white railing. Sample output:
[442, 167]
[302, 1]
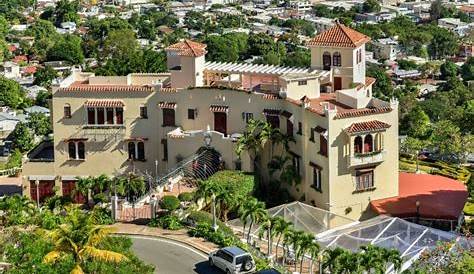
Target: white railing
[10, 172]
[367, 158]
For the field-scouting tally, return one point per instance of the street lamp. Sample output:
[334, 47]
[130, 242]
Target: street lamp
[417, 203]
[214, 218]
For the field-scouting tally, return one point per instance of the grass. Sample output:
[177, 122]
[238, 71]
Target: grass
[437, 168]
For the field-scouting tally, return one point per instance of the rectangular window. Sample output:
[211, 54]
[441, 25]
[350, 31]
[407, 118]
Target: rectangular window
[311, 137]
[323, 145]
[76, 150]
[67, 111]
[168, 117]
[300, 128]
[247, 116]
[274, 120]
[191, 113]
[109, 113]
[289, 128]
[317, 179]
[296, 163]
[91, 116]
[143, 112]
[100, 116]
[302, 83]
[119, 116]
[364, 179]
[164, 143]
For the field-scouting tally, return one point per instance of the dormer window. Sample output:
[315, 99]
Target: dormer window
[336, 59]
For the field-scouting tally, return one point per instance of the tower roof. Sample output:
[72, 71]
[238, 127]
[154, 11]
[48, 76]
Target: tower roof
[188, 48]
[339, 36]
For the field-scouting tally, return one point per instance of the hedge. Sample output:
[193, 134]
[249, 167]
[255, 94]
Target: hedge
[169, 203]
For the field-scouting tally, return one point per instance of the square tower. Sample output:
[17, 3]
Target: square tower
[186, 62]
[340, 50]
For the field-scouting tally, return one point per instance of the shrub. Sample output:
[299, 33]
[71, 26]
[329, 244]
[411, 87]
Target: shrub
[186, 196]
[200, 217]
[102, 216]
[169, 203]
[167, 222]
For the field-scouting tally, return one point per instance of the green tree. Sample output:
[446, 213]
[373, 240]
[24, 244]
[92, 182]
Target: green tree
[169, 203]
[254, 211]
[11, 94]
[4, 27]
[435, 10]
[22, 137]
[467, 69]
[383, 87]
[42, 98]
[79, 238]
[44, 76]
[131, 186]
[417, 123]
[42, 29]
[444, 44]
[67, 49]
[40, 124]
[446, 138]
[66, 11]
[298, 58]
[448, 69]
[371, 6]
[194, 20]
[18, 210]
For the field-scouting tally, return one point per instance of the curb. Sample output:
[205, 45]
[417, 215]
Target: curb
[200, 249]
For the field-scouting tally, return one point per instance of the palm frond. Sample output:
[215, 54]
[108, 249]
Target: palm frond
[103, 255]
[77, 270]
[51, 257]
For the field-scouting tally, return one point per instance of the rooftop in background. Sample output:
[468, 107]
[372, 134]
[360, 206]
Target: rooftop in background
[439, 197]
[188, 48]
[339, 36]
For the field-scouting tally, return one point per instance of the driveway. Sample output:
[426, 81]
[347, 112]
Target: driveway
[171, 257]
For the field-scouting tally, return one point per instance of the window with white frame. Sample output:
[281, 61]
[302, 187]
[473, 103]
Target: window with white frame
[76, 150]
[136, 150]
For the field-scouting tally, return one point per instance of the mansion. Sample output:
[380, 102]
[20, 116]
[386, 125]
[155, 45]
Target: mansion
[346, 141]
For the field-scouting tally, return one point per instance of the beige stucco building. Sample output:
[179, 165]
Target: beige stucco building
[346, 148]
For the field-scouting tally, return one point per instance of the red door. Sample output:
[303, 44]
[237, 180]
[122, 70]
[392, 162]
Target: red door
[220, 122]
[45, 190]
[337, 83]
[68, 191]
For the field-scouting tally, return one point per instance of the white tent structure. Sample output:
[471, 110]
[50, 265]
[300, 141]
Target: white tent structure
[410, 239]
[332, 231]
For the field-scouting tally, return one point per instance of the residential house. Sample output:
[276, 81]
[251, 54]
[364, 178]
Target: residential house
[385, 48]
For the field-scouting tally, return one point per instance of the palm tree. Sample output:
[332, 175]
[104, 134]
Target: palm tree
[313, 251]
[377, 259]
[255, 211]
[307, 243]
[268, 227]
[281, 228]
[84, 186]
[297, 244]
[132, 187]
[79, 238]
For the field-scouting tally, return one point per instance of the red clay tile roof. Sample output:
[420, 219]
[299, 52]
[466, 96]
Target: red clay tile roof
[188, 48]
[440, 197]
[84, 87]
[12, 48]
[29, 70]
[104, 103]
[367, 127]
[20, 58]
[339, 36]
[217, 108]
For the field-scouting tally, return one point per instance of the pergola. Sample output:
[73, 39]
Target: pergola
[247, 76]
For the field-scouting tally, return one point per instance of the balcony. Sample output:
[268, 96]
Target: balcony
[369, 158]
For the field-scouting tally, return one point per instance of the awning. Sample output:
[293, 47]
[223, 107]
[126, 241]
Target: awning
[271, 112]
[104, 103]
[75, 139]
[217, 108]
[369, 126]
[136, 139]
[167, 105]
[41, 178]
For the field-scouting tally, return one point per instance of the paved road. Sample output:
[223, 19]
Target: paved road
[170, 257]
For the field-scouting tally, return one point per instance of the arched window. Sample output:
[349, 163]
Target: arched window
[336, 59]
[326, 61]
[141, 151]
[358, 144]
[131, 151]
[81, 151]
[368, 143]
[72, 150]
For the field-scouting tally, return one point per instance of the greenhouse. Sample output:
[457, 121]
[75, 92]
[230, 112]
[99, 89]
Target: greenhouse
[333, 231]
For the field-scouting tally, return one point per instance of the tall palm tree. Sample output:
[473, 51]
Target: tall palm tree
[78, 237]
[297, 244]
[306, 242]
[268, 228]
[253, 210]
[313, 251]
[84, 187]
[132, 187]
[281, 228]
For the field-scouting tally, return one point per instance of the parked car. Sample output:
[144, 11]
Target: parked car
[232, 260]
